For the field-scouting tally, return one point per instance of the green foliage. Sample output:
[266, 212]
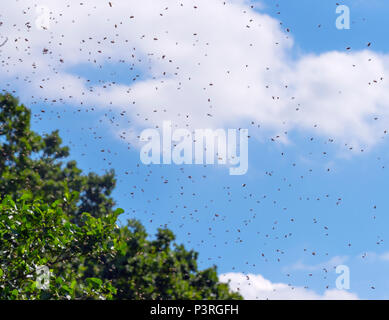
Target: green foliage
[157, 269]
[52, 215]
[35, 234]
[32, 163]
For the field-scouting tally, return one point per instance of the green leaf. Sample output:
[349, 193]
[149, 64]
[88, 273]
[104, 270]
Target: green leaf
[95, 282]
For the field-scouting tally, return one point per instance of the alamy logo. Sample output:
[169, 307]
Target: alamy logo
[3, 42]
[343, 21]
[181, 146]
[42, 22]
[43, 277]
[343, 280]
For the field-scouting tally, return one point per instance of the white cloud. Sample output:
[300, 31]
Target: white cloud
[210, 66]
[384, 256]
[327, 265]
[256, 287]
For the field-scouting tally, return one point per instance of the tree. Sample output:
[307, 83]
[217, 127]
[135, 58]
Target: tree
[156, 269]
[53, 215]
[35, 235]
[32, 163]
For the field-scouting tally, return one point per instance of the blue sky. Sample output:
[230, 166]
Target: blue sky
[297, 210]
